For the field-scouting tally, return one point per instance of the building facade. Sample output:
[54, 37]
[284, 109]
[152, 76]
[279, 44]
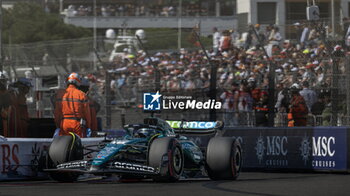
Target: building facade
[284, 13]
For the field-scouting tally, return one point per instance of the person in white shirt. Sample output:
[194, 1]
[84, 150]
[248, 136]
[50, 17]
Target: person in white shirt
[274, 40]
[216, 40]
[235, 36]
[304, 36]
[275, 37]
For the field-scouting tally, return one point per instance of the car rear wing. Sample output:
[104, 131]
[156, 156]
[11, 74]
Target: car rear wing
[195, 127]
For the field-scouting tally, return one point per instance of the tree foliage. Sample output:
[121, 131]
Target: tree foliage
[28, 22]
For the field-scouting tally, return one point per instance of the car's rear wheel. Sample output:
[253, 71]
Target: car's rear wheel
[64, 149]
[166, 155]
[224, 158]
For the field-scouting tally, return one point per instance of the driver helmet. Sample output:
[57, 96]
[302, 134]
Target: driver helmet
[144, 132]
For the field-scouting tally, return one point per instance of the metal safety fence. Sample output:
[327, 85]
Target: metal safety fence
[322, 61]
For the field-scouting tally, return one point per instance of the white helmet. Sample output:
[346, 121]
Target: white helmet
[140, 33]
[110, 34]
[74, 78]
[4, 75]
[251, 79]
[295, 86]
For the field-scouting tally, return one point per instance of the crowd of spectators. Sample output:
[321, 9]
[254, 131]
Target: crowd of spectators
[106, 10]
[243, 61]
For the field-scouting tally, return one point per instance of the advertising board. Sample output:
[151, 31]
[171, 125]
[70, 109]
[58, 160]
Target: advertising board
[306, 148]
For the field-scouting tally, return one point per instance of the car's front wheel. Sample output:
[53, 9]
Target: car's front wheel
[224, 158]
[166, 155]
[64, 149]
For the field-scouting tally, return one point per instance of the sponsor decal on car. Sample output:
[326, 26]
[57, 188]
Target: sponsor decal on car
[76, 164]
[135, 167]
[191, 125]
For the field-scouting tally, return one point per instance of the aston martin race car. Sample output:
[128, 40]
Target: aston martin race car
[156, 149]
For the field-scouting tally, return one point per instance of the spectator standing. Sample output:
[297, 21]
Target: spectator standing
[282, 105]
[249, 37]
[71, 11]
[94, 107]
[19, 117]
[121, 81]
[268, 31]
[216, 40]
[318, 107]
[298, 110]
[121, 10]
[313, 36]
[309, 95]
[319, 76]
[245, 104]
[225, 42]
[298, 30]
[261, 110]
[230, 100]
[255, 91]
[261, 39]
[309, 75]
[304, 36]
[235, 37]
[274, 40]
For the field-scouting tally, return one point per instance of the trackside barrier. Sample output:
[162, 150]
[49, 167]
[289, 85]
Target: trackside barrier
[24, 158]
[297, 148]
[290, 149]
[304, 148]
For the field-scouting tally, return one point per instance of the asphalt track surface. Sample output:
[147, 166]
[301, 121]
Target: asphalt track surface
[264, 184]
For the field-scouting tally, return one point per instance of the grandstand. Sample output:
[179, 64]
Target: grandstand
[151, 14]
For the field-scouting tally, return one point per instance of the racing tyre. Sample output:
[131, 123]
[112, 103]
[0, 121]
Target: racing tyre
[64, 149]
[167, 155]
[224, 158]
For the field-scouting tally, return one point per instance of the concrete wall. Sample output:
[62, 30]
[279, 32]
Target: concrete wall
[244, 6]
[207, 23]
[344, 4]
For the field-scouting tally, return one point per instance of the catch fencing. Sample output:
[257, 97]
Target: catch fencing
[119, 85]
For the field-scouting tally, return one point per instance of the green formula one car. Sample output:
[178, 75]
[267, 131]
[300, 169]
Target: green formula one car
[155, 149]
